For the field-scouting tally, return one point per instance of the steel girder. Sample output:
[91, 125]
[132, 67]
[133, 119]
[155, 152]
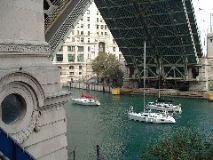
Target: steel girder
[169, 28]
[60, 17]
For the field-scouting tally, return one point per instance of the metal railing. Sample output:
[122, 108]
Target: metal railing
[10, 149]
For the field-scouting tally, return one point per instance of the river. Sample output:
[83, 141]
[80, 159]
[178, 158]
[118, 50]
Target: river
[119, 138]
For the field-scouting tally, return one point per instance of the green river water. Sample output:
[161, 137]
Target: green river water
[119, 138]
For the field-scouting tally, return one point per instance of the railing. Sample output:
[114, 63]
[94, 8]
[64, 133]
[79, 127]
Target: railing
[11, 150]
[58, 7]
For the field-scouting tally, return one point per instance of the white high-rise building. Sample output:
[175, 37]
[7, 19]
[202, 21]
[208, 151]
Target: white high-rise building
[89, 37]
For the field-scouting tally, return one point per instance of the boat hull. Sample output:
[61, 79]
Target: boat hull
[86, 101]
[151, 118]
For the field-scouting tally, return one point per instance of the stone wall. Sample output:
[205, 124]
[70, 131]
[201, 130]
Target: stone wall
[29, 83]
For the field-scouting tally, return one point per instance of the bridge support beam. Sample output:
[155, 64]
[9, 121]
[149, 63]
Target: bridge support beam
[36, 117]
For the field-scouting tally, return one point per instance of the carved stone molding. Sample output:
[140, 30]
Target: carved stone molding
[24, 48]
[27, 87]
[33, 125]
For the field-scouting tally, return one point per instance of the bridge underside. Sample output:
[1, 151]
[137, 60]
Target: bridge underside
[169, 29]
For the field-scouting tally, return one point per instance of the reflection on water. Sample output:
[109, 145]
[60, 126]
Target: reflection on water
[119, 138]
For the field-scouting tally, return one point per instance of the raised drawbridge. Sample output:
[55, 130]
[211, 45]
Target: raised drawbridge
[169, 28]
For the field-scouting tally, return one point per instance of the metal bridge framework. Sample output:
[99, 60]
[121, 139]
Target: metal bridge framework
[168, 27]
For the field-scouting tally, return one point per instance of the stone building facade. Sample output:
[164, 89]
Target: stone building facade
[31, 98]
[89, 37]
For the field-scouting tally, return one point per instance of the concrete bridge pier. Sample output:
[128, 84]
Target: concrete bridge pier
[30, 93]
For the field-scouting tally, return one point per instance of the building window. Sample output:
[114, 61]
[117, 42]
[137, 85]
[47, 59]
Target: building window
[102, 26]
[97, 26]
[88, 40]
[88, 11]
[82, 32]
[80, 73]
[71, 57]
[80, 67]
[211, 40]
[88, 19]
[105, 26]
[59, 57]
[71, 48]
[71, 67]
[114, 49]
[73, 39]
[82, 39]
[72, 73]
[13, 108]
[88, 49]
[97, 20]
[82, 26]
[88, 26]
[80, 48]
[88, 33]
[97, 33]
[106, 33]
[102, 47]
[80, 58]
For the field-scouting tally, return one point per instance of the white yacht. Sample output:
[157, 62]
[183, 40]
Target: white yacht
[86, 101]
[151, 117]
[162, 106]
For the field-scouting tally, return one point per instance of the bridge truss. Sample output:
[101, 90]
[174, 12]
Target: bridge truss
[169, 28]
[60, 17]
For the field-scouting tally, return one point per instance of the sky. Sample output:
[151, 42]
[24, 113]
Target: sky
[203, 8]
[207, 5]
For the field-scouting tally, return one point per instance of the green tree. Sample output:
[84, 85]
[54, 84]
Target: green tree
[107, 66]
[182, 144]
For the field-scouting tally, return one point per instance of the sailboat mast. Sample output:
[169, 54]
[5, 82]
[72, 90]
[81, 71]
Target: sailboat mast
[144, 72]
[159, 85]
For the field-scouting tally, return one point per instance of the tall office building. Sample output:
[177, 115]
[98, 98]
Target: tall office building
[211, 23]
[89, 37]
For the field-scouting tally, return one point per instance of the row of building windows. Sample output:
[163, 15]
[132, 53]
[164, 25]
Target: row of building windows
[72, 67]
[71, 57]
[97, 26]
[101, 27]
[72, 49]
[81, 49]
[70, 73]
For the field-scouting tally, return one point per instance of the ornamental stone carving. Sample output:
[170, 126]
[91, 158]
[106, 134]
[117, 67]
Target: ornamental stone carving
[24, 49]
[25, 87]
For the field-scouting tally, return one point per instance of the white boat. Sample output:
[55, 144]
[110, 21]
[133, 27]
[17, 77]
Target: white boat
[86, 101]
[151, 117]
[162, 106]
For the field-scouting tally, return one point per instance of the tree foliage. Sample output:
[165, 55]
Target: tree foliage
[182, 144]
[106, 65]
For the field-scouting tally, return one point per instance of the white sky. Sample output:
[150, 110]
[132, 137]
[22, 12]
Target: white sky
[207, 5]
[203, 8]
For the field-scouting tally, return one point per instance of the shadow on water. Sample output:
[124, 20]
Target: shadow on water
[119, 138]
